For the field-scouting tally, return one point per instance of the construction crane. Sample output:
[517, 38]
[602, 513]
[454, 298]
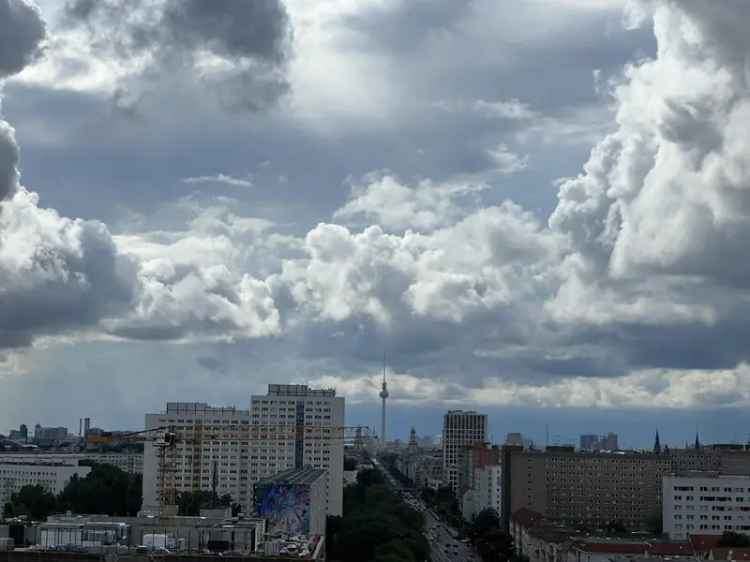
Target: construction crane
[160, 437]
[166, 439]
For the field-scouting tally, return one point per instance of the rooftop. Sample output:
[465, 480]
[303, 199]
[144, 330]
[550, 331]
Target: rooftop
[306, 475]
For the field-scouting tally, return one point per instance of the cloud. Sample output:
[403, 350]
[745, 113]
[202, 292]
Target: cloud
[386, 201]
[220, 179]
[506, 161]
[21, 34]
[237, 48]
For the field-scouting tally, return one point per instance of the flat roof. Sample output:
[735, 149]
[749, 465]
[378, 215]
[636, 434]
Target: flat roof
[306, 475]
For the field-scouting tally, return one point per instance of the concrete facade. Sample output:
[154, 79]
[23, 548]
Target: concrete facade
[704, 503]
[460, 429]
[132, 463]
[51, 476]
[292, 426]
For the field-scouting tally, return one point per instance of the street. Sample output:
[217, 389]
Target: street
[444, 547]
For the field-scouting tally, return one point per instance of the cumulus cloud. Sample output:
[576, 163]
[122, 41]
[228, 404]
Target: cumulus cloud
[386, 201]
[235, 47]
[61, 275]
[21, 33]
[483, 262]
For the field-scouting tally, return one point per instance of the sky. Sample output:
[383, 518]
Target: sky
[536, 209]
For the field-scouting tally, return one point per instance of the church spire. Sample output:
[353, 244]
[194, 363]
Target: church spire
[697, 441]
[657, 443]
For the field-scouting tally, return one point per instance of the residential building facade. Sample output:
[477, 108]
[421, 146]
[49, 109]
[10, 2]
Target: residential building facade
[228, 450]
[705, 503]
[51, 476]
[460, 428]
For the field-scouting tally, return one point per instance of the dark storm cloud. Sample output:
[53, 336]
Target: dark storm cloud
[253, 38]
[21, 33]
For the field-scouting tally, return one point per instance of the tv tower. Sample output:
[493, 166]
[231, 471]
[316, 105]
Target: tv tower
[383, 396]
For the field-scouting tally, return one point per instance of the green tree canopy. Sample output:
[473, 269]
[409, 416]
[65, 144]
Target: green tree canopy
[105, 490]
[33, 501]
[377, 525]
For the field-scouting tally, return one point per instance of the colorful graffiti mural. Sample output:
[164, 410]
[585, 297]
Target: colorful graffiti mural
[287, 508]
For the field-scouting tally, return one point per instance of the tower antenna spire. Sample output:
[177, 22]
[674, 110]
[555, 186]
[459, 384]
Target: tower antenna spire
[383, 397]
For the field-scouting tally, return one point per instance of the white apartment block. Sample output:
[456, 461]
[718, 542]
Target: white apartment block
[486, 494]
[295, 426]
[460, 428]
[132, 463]
[705, 503]
[292, 426]
[209, 441]
[52, 476]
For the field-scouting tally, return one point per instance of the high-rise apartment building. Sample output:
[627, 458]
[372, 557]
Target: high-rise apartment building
[228, 450]
[587, 489]
[313, 435]
[460, 428]
[705, 503]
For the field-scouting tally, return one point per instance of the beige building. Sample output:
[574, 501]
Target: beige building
[595, 489]
[588, 489]
[292, 426]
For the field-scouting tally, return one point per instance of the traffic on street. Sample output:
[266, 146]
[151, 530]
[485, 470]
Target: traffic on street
[444, 543]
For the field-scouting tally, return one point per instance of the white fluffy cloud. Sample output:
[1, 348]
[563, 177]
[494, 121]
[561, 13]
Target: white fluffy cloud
[383, 199]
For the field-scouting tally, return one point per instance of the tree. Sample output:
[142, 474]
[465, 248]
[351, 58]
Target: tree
[105, 490]
[495, 546]
[377, 527]
[370, 477]
[736, 540]
[191, 503]
[350, 463]
[34, 501]
[486, 520]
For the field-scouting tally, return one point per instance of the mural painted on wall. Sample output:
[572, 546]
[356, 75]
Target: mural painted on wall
[287, 509]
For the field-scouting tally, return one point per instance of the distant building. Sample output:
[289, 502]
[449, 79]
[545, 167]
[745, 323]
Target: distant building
[49, 436]
[292, 426]
[610, 442]
[705, 503]
[130, 462]
[293, 502]
[460, 428]
[586, 489]
[486, 492]
[51, 476]
[515, 439]
[589, 442]
[21, 434]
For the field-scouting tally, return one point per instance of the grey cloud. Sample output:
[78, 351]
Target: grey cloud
[21, 33]
[251, 40]
[59, 275]
[8, 161]
[212, 364]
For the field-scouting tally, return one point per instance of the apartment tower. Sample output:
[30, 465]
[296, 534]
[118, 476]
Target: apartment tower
[460, 429]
